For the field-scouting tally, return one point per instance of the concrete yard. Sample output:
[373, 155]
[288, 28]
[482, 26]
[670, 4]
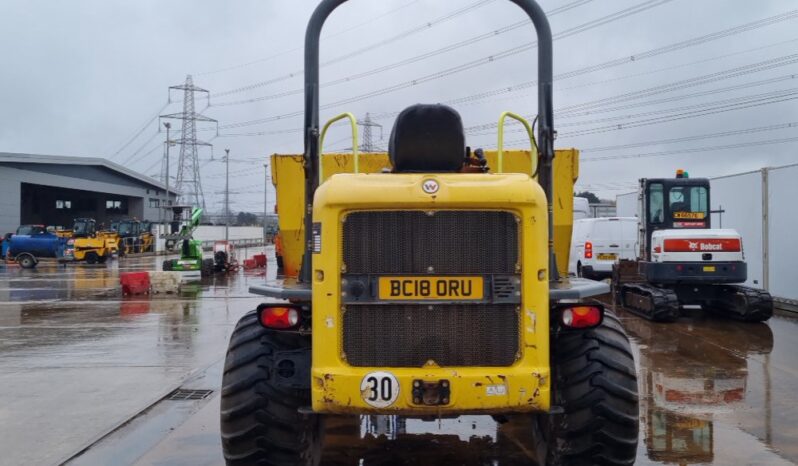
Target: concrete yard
[86, 374]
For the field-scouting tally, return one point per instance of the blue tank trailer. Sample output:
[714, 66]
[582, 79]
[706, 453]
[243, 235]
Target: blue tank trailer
[31, 243]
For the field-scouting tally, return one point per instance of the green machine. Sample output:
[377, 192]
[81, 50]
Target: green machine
[191, 250]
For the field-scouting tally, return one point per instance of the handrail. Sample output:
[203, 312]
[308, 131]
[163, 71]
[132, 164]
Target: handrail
[353, 122]
[533, 171]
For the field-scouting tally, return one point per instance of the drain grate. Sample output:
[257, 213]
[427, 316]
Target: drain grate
[188, 394]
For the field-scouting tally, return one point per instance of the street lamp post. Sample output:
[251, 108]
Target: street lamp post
[227, 195]
[265, 200]
[168, 143]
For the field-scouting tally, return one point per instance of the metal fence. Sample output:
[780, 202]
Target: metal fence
[239, 243]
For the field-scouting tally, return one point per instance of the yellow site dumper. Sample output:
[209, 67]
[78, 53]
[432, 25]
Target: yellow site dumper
[428, 282]
[89, 245]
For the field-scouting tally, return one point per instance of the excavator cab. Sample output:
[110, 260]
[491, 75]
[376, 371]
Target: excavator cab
[673, 203]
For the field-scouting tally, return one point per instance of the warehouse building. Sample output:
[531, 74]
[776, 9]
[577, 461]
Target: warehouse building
[54, 190]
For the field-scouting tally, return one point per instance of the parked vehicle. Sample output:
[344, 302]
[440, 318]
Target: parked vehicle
[597, 243]
[89, 245]
[33, 242]
[683, 260]
[581, 208]
[430, 289]
[191, 257]
[135, 236]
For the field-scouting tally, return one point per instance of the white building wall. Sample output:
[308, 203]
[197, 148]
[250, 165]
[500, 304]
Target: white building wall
[10, 201]
[741, 198]
[782, 237]
[626, 205]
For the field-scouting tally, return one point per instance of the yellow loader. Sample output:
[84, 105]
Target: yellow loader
[88, 245]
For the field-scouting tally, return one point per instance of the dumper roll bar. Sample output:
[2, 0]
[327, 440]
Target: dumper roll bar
[311, 155]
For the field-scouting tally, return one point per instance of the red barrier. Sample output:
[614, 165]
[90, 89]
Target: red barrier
[135, 282]
[260, 260]
[250, 264]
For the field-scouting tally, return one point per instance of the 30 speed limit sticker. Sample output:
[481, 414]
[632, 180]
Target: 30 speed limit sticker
[379, 389]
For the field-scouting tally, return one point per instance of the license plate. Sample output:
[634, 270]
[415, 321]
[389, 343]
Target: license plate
[607, 257]
[709, 268]
[440, 288]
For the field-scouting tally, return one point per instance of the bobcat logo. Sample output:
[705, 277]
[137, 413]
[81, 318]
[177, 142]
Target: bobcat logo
[430, 186]
[693, 245]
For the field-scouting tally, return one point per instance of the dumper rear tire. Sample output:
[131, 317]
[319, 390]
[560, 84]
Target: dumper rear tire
[260, 420]
[92, 257]
[595, 383]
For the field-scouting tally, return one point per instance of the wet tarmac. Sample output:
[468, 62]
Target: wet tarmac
[85, 374]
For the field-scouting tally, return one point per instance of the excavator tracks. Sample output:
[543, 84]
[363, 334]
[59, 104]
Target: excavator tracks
[742, 303]
[650, 302]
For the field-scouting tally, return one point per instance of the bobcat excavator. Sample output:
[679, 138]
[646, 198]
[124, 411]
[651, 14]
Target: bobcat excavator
[684, 261]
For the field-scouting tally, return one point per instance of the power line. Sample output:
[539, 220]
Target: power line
[589, 108]
[650, 53]
[141, 130]
[295, 49]
[128, 160]
[646, 5]
[764, 142]
[402, 35]
[709, 108]
[454, 70]
[385, 115]
[702, 61]
[771, 20]
[586, 70]
[670, 115]
[737, 132]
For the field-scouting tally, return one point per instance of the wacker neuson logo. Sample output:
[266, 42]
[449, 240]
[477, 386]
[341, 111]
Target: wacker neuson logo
[430, 186]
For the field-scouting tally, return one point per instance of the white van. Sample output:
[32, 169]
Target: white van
[581, 208]
[597, 243]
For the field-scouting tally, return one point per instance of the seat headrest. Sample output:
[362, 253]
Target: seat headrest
[427, 138]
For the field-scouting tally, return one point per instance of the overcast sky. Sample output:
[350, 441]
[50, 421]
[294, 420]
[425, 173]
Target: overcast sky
[87, 79]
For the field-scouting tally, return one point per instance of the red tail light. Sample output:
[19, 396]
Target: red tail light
[588, 250]
[581, 315]
[278, 316]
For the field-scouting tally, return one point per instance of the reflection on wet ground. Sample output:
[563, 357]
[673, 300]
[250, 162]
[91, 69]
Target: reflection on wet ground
[78, 361]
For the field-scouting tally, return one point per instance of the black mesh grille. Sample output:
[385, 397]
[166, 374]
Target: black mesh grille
[451, 335]
[412, 242]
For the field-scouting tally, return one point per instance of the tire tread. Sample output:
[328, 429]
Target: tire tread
[595, 382]
[260, 422]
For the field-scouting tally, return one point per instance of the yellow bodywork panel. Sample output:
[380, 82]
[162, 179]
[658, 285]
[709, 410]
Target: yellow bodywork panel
[523, 386]
[103, 247]
[289, 181]
[566, 172]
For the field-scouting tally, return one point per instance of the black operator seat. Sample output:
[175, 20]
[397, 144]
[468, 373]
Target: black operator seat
[427, 138]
